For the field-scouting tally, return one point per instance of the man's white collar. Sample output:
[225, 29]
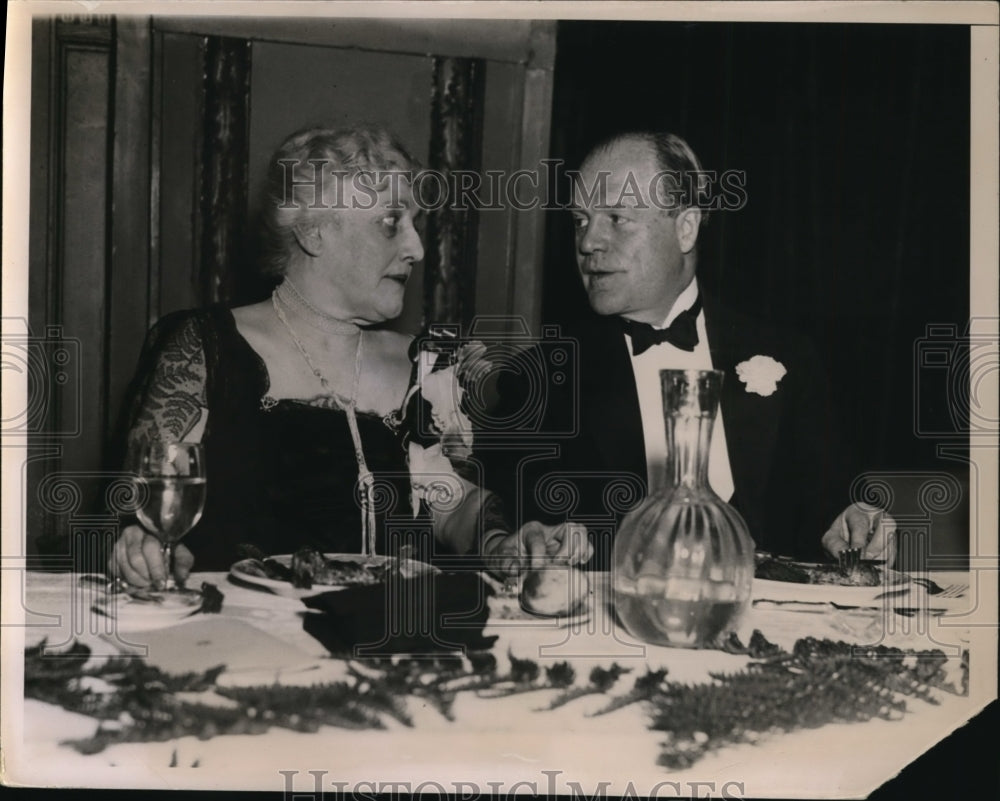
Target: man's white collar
[684, 301]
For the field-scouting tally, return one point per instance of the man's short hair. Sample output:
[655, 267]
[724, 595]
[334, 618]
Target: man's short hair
[673, 155]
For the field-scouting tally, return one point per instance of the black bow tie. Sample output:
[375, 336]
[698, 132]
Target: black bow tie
[681, 333]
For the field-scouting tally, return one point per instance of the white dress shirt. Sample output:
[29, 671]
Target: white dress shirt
[646, 367]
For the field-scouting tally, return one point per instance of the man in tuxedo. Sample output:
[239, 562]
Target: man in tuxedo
[775, 453]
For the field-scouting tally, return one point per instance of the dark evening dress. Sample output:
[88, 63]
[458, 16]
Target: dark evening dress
[281, 474]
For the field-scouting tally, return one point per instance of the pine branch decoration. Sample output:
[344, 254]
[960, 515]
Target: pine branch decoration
[818, 682]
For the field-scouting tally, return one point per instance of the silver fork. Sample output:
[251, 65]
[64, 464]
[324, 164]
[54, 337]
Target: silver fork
[951, 591]
[849, 558]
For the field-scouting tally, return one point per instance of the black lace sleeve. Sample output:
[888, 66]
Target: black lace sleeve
[168, 397]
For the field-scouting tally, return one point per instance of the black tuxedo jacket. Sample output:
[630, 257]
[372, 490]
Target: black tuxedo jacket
[586, 460]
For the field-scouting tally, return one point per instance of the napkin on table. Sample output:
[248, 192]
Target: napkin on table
[430, 613]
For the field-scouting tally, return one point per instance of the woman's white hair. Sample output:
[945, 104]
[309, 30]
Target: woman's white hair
[297, 171]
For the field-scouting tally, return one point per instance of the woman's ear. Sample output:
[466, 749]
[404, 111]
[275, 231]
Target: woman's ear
[308, 235]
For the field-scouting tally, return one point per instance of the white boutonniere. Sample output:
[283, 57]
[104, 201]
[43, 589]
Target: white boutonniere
[761, 374]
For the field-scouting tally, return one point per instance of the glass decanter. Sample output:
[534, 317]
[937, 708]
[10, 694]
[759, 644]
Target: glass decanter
[683, 559]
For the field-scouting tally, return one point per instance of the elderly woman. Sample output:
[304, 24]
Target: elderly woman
[298, 399]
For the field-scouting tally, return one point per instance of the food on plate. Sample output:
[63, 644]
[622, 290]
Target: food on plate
[554, 591]
[257, 563]
[308, 567]
[266, 568]
[865, 574]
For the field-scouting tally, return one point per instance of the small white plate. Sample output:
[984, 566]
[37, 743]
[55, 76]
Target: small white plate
[506, 607]
[508, 611]
[134, 614]
[241, 574]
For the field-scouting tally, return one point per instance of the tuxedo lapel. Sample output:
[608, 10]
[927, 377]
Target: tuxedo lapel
[610, 408]
[610, 415]
[751, 421]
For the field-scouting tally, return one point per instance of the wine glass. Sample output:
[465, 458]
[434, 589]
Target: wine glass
[171, 484]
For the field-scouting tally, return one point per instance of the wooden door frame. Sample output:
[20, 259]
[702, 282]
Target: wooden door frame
[525, 49]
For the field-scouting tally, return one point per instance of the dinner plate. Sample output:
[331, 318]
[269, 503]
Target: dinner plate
[242, 574]
[893, 580]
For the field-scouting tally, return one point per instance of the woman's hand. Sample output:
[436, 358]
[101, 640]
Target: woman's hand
[536, 545]
[565, 544]
[137, 559]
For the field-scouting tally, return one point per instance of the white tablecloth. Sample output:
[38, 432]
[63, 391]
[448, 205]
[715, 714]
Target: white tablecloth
[260, 639]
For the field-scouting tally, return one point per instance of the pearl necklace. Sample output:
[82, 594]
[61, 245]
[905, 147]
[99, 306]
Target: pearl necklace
[290, 295]
[366, 480]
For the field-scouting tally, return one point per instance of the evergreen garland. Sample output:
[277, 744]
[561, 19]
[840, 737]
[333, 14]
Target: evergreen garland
[819, 682]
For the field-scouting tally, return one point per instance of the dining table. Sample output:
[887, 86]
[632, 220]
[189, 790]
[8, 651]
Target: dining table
[554, 705]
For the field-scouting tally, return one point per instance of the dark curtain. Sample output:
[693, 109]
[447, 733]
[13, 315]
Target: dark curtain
[855, 144]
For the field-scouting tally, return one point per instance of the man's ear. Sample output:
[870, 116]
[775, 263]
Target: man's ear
[308, 235]
[686, 225]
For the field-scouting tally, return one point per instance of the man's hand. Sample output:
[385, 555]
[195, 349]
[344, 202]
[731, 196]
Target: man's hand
[866, 527]
[138, 560]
